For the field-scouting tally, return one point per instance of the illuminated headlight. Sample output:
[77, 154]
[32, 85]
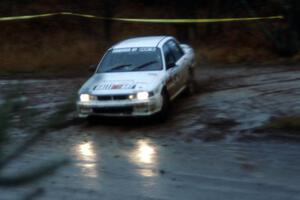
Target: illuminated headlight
[85, 97]
[142, 95]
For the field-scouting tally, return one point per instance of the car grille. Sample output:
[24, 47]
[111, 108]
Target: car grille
[114, 110]
[112, 97]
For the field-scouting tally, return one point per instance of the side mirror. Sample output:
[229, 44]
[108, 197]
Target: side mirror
[170, 65]
[92, 67]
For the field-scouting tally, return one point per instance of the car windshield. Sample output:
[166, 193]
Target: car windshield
[131, 59]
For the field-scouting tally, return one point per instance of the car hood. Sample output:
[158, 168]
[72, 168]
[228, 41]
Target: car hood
[122, 83]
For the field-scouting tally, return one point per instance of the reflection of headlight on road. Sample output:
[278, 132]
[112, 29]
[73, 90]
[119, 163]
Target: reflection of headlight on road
[142, 95]
[86, 150]
[145, 152]
[85, 97]
[144, 155]
[87, 158]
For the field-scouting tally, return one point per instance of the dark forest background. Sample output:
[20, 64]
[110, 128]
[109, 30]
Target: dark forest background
[71, 44]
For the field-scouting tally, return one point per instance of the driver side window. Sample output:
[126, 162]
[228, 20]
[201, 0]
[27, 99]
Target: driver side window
[169, 57]
[176, 50]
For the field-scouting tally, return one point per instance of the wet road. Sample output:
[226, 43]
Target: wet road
[201, 152]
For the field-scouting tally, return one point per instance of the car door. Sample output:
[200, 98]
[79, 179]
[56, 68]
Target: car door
[170, 63]
[180, 69]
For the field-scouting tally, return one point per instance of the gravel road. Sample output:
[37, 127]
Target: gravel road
[209, 148]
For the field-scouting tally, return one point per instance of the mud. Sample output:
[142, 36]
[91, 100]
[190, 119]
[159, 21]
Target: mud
[209, 148]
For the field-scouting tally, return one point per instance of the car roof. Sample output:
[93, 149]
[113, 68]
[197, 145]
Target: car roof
[149, 41]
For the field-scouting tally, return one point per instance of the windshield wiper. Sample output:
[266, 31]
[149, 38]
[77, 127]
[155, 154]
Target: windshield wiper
[145, 65]
[117, 67]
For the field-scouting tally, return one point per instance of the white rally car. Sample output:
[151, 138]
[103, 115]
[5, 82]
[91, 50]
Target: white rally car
[138, 77]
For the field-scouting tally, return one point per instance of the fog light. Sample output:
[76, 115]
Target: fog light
[85, 110]
[142, 95]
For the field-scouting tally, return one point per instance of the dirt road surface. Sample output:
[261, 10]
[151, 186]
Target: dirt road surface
[208, 149]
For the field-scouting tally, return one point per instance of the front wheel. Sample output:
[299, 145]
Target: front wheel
[92, 120]
[164, 112]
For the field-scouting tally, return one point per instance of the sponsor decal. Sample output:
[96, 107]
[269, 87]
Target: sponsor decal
[152, 74]
[141, 49]
[116, 85]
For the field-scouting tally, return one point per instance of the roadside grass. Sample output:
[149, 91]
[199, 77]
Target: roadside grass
[285, 128]
[76, 58]
[290, 124]
[236, 55]
[53, 57]
[63, 45]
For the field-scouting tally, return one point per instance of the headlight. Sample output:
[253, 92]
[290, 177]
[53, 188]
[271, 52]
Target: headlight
[85, 97]
[142, 95]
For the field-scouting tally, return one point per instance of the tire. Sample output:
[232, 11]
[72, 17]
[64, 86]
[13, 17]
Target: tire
[92, 120]
[165, 110]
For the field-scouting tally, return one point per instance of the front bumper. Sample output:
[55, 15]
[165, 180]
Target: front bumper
[120, 107]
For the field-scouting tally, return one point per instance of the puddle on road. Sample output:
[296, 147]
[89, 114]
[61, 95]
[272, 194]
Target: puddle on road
[121, 156]
[143, 154]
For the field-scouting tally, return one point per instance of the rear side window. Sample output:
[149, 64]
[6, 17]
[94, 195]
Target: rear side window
[175, 49]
